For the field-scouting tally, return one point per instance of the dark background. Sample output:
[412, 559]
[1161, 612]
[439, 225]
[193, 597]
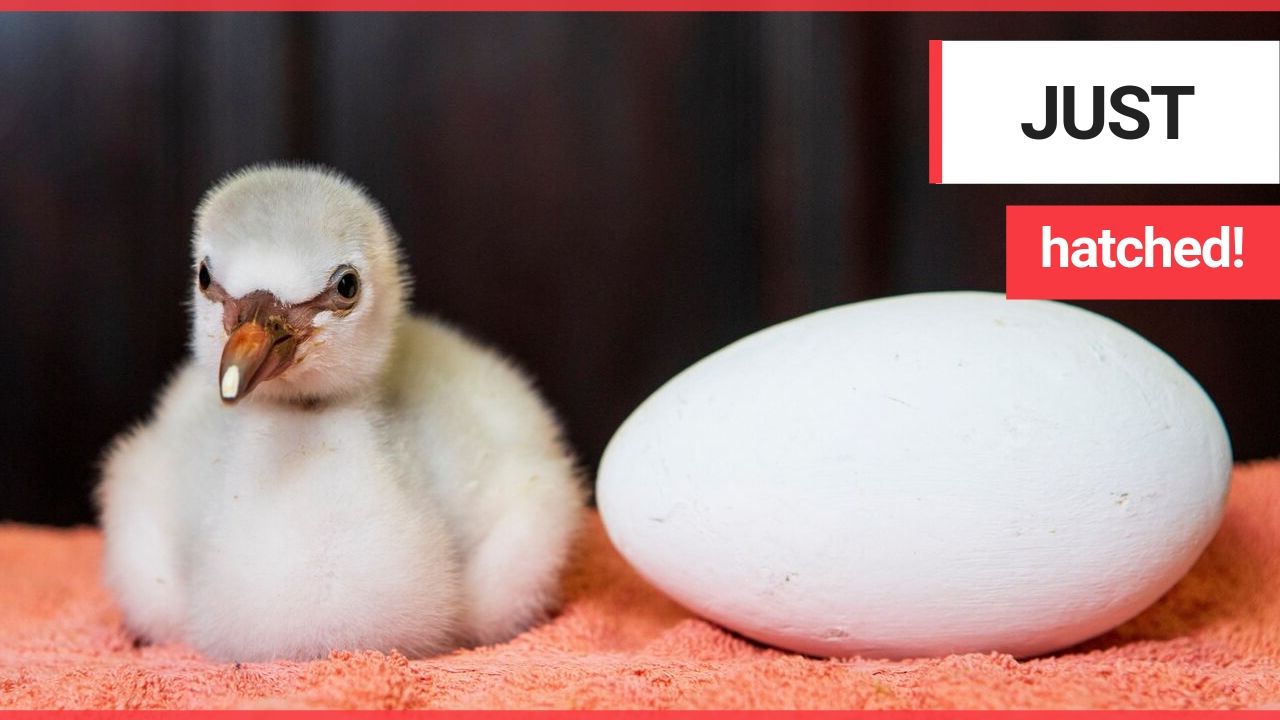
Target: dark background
[606, 197]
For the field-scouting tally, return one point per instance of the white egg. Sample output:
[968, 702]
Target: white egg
[921, 475]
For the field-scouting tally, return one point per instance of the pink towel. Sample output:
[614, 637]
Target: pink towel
[1212, 642]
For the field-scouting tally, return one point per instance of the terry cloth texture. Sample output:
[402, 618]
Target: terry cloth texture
[1212, 642]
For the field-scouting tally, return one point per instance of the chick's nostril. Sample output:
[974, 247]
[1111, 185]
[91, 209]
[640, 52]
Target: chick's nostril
[276, 325]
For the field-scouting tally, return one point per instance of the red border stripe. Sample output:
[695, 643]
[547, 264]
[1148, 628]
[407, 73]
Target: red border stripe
[649, 5]
[937, 714]
[642, 714]
[935, 111]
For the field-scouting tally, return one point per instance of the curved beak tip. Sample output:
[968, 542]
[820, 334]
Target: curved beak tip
[231, 384]
[254, 354]
[247, 350]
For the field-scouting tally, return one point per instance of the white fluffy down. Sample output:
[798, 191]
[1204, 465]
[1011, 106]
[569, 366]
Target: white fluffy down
[402, 488]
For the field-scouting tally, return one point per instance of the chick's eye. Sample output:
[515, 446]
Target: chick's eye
[348, 285]
[203, 277]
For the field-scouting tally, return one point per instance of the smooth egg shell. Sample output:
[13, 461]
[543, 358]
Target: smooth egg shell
[921, 475]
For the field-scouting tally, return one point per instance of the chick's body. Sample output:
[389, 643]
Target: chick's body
[421, 506]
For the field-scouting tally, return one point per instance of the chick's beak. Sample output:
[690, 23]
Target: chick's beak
[255, 352]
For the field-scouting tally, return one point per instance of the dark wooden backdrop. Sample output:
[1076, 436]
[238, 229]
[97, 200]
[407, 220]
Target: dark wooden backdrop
[607, 197]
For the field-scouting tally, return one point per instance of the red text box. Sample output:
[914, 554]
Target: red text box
[1142, 252]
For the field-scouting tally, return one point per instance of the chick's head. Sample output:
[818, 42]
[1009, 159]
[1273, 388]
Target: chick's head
[297, 285]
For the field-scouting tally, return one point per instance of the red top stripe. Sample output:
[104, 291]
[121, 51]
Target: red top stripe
[647, 5]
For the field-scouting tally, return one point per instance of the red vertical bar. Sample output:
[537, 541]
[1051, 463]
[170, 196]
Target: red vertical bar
[935, 111]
